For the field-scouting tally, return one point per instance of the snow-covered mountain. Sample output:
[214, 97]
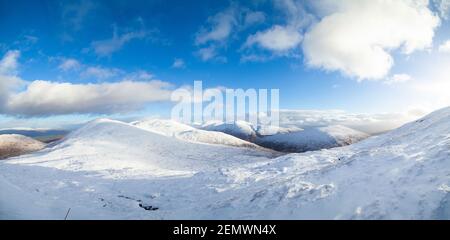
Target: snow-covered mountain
[289, 139]
[240, 129]
[104, 145]
[14, 145]
[185, 132]
[44, 135]
[403, 174]
[110, 169]
[311, 139]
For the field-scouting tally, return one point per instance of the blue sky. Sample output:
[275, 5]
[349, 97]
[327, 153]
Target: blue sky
[320, 54]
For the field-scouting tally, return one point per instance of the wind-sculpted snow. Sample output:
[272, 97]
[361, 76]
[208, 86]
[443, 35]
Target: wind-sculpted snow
[113, 170]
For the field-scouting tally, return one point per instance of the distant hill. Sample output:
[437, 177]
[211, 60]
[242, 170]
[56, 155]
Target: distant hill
[43, 135]
[289, 139]
[312, 139]
[12, 145]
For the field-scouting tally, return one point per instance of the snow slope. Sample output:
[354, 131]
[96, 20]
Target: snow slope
[185, 132]
[108, 145]
[14, 145]
[113, 170]
[403, 174]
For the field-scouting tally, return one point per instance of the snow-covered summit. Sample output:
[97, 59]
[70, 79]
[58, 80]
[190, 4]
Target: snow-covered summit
[163, 126]
[104, 144]
[185, 132]
[240, 129]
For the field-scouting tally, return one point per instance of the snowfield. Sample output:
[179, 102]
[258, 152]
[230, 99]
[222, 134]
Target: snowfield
[113, 170]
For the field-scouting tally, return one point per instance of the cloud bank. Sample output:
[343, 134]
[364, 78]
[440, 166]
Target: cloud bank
[368, 123]
[43, 98]
[46, 98]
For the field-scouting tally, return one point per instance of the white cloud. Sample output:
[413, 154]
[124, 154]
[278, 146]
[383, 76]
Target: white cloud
[178, 63]
[255, 58]
[8, 79]
[220, 28]
[445, 47]
[7, 85]
[277, 38]
[100, 72]
[252, 18]
[29, 39]
[104, 48]
[215, 35]
[222, 25]
[398, 78]
[69, 64]
[43, 98]
[281, 38]
[368, 123]
[356, 36]
[9, 63]
[139, 75]
[207, 53]
[295, 13]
